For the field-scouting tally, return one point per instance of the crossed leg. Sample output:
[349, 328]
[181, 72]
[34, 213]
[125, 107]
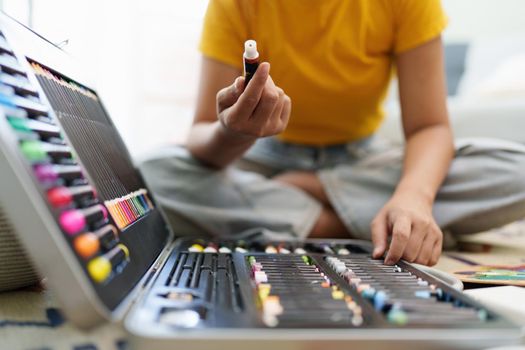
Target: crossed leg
[328, 224]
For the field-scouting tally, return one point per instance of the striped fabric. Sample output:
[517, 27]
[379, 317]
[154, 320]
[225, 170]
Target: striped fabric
[15, 268]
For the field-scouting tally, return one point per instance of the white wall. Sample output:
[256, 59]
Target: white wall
[484, 19]
[143, 54]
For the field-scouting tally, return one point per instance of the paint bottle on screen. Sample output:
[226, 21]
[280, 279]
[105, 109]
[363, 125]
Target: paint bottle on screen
[251, 60]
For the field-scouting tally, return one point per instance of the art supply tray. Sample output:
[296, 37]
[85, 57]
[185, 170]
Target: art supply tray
[323, 284]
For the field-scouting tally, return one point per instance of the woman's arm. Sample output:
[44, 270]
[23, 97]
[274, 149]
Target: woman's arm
[229, 119]
[407, 217]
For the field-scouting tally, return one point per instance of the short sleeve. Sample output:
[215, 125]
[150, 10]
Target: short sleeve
[224, 32]
[417, 21]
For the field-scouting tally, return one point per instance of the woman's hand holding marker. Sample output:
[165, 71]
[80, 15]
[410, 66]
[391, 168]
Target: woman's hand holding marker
[250, 108]
[260, 109]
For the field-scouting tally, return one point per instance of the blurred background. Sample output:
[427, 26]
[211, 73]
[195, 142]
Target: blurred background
[143, 57]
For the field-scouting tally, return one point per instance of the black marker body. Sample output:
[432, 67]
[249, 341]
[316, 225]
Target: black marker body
[250, 67]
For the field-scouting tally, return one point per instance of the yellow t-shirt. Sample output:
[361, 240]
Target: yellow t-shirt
[332, 57]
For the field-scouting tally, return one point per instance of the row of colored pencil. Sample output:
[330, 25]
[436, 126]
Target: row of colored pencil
[129, 208]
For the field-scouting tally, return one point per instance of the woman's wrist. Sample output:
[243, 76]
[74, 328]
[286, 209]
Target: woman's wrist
[229, 136]
[415, 191]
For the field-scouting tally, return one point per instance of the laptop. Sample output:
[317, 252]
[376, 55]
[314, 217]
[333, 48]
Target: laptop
[92, 227]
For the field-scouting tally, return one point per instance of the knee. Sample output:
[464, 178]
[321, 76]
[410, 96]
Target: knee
[174, 159]
[514, 172]
[520, 170]
[170, 167]
[507, 197]
[502, 171]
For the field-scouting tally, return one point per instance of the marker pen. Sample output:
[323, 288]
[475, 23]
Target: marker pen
[52, 172]
[89, 243]
[100, 268]
[251, 60]
[86, 245]
[29, 125]
[73, 221]
[64, 196]
[38, 152]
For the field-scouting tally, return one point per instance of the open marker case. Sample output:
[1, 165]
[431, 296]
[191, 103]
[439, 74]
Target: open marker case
[92, 228]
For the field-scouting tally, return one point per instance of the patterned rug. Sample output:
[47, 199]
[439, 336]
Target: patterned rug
[30, 319]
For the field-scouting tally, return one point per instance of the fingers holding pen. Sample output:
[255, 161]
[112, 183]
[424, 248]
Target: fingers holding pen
[229, 95]
[273, 120]
[252, 94]
[281, 114]
[267, 104]
[272, 109]
[274, 105]
[254, 110]
[285, 114]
